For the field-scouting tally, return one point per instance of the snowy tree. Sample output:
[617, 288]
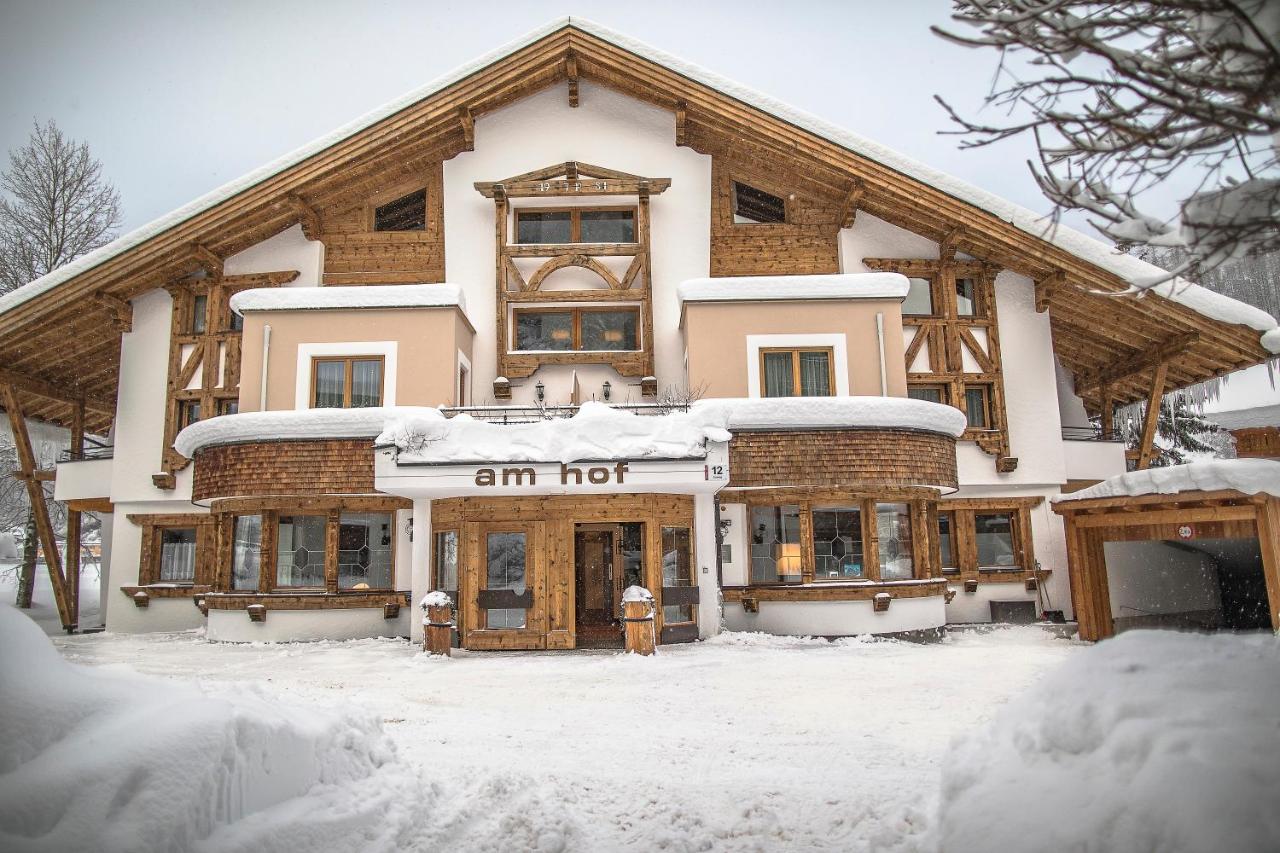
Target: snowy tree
[1180, 431]
[56, 206]
[1123, 96]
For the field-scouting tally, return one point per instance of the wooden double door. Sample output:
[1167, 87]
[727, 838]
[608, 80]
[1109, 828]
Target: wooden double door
[607, 559]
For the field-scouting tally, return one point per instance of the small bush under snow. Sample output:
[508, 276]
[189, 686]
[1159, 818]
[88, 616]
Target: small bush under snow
[1152, 741]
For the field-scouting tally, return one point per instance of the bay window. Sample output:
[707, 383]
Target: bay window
[300, 551]
[246, 553]
[837, 544]
[364, 550]
[775, 544]
[577, 329]
[893, 530]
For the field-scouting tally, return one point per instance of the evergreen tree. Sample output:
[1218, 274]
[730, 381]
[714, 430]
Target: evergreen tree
[1180, 430]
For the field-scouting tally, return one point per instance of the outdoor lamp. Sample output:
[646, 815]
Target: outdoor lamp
[541, 391]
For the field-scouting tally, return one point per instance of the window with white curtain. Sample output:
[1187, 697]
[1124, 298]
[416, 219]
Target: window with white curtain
[246, 552]
[797, 372]
[177, 554]
[346, 383]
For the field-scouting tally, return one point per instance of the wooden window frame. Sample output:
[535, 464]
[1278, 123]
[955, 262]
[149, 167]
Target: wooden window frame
[987, 392]
[149, 553]
[663, 526]
[349, 360]
[199, 305]
[979, 298]
[575, 223]
[954, 568]
[268, 556]
[934, 313]
[576, 312]
[943, 387]
[964, 537]
[184, 406]
[795, 368]
[758, 186]
[922, 540]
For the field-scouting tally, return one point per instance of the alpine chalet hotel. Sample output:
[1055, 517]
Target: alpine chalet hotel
[577, 317]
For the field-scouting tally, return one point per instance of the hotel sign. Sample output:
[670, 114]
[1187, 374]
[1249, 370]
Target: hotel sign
[569, 475]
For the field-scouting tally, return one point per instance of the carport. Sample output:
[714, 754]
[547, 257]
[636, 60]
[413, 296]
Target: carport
[1204, 558]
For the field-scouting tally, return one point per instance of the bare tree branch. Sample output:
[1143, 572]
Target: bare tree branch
[56, 206]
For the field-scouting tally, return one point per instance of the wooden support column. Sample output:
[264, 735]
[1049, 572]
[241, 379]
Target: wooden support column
[39, 505]
[1269, 543]
[1108, 411]
[73, 515]
[1146, 449]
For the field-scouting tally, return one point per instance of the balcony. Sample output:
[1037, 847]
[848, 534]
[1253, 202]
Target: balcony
[1092, 455]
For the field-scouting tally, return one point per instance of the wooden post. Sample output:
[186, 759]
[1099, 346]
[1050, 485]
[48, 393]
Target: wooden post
[39, 503]
[437, 623]
[1108, 413]
[72, 557]
[637, 616]
[1146, 449]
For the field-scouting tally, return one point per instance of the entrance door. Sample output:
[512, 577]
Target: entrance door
[598, 585]
[507, 609]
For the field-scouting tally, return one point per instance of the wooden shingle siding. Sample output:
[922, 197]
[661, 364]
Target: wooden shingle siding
[334, 466]
[852, 457]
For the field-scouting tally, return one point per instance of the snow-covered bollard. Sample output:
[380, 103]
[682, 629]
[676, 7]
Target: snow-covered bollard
[637, 617]
[437, 623]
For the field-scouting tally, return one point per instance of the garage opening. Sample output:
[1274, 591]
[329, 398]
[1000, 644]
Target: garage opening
[1204, 584]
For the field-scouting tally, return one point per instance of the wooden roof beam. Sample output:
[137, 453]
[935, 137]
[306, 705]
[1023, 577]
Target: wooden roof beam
[849, 211]
[308, 217]
[1045, 288]
[468, 122]
[208, 259]
[43, 388]
[571, 72]
[1158, 355]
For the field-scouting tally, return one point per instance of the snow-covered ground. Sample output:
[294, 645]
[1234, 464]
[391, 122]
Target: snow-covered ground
[744, 742]
[43, 609]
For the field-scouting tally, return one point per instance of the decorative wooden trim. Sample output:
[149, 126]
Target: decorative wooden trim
[149, 553]
[166, 590]
[571, 74]
[835, 591]
[308, 600]
[308, 217]
[965, 545]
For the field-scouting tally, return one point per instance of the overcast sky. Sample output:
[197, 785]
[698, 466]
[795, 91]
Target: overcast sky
[180, 96]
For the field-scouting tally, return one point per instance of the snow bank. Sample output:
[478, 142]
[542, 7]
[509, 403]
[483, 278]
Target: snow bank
[331, 297]
[1250, 476]
[820, 412]
[106, 760]
[596, 431]
[436, 598]
[294, 424]
[881, 285]
[1153, 740]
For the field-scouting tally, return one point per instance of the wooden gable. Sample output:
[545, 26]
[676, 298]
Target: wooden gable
[65, 342]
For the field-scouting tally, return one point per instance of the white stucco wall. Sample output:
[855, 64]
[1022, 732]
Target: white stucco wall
[837, 618]
[609, 130]
[288, 250]
[281, 626]
[976, 606]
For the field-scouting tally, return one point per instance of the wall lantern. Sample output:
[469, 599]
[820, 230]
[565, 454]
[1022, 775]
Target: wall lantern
[541, 391]
[608, 389]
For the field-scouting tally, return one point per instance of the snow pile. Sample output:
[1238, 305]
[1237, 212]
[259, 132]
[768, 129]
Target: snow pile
[1153, 740]
[436, 598]
[828, 412]
[294, 425]
[106, 760]
[879, 285]
[597, 431]
[1250, 476]
[366, 296]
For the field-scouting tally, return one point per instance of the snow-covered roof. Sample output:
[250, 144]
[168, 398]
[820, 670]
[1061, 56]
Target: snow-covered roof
[829, 412]
[291, 425]
[1130, 269]
[1262, 416]
[1249, 476]
[365, 296]
[875, 285]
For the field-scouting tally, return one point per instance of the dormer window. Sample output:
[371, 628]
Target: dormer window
[407, 213]
[576, 225]
[752, 206]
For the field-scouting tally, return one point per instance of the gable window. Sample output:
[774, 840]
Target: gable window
[919, 301]
[796, 372]
[576, 225]
[199, 313]
[931, 393]
[753, 206]
[977, 406]
[407, 213]
[346, 383]
[577, 329]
